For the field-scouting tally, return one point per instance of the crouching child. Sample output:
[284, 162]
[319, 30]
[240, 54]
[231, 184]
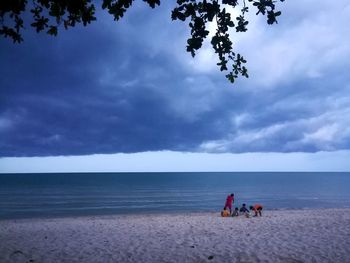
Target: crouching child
[257, 209]
[225, 212]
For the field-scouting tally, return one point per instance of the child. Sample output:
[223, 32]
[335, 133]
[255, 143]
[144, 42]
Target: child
[257, 209]
[244, 210]
[225, 213]
[235, 212]
[229, 200]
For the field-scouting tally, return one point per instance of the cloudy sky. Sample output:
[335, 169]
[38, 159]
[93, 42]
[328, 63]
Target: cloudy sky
[130, 87]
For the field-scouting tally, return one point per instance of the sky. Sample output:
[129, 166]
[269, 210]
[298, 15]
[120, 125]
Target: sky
[129, 88]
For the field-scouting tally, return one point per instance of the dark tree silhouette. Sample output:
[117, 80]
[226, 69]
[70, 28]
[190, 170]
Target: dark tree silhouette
[50, 15]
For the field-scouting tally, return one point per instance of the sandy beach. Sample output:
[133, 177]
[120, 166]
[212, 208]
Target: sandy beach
[278, 236]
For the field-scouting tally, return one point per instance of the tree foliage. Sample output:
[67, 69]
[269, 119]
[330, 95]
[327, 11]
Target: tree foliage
[50, 15]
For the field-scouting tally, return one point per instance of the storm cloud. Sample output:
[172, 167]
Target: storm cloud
[129, 86]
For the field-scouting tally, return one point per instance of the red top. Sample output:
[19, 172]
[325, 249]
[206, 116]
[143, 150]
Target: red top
[229, 200]
[256, 207]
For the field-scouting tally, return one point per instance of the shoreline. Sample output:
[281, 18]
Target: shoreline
[321, 235]
[159, 213]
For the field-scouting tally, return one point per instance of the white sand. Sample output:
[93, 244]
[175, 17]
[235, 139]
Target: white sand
[278, 236]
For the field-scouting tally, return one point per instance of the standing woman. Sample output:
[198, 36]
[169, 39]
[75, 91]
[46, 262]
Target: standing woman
[229, 201]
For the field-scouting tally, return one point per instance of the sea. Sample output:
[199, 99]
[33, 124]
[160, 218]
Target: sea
[88, 194]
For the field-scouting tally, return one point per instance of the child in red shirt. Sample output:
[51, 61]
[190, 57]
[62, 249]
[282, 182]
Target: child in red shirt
[257, 209]
[229, 200]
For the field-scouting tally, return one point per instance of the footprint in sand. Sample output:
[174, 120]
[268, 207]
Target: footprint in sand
[18, 256]
[243, 257]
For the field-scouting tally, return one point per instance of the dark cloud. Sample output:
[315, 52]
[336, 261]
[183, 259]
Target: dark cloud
[127, 87]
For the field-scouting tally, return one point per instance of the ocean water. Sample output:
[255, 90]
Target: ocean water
[76, 194]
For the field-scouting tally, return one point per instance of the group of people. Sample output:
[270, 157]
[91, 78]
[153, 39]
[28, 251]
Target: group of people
[254, 210]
